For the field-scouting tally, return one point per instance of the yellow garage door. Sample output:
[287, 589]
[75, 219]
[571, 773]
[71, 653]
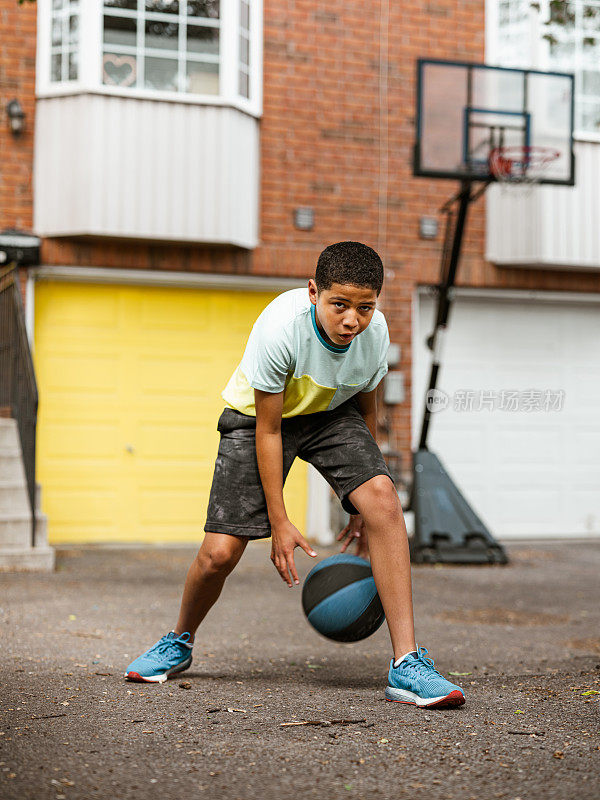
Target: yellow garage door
[130, 381]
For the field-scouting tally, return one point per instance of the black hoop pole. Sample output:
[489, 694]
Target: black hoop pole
[445, 297]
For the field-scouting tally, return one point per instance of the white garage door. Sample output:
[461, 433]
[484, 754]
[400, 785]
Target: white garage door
[521, 430]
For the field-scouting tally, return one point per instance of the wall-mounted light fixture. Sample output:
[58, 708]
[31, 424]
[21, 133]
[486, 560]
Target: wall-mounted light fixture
[16, 117]
[19, 247]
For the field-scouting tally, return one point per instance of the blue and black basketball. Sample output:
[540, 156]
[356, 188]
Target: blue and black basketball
[340, 599]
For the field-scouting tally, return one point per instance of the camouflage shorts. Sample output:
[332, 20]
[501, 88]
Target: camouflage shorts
[337, 443]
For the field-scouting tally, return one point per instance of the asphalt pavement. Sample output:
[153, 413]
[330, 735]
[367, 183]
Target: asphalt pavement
[523, 640]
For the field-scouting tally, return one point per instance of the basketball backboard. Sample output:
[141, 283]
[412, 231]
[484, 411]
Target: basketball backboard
[465, 111]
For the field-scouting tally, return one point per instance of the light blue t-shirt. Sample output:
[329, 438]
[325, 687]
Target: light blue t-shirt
[286, 352]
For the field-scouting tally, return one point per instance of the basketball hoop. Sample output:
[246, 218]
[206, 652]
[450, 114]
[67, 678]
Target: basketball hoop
[521, 165]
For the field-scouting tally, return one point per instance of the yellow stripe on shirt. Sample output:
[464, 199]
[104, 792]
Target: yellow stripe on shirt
[301, 395]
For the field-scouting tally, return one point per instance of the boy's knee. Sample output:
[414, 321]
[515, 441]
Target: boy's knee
[220, 557]
[380, 498]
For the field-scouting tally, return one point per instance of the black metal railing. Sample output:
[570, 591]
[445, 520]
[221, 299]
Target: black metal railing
[18, 388]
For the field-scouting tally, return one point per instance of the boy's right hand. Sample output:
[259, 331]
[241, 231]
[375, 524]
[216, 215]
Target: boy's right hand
[285, 537]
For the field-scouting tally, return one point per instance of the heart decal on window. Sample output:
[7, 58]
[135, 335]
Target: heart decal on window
[119, 70]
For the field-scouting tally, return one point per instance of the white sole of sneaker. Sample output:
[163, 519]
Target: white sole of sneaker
[135, 676]
[455, 698]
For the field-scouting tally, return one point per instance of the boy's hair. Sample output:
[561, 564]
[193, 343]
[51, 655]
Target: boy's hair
[349, 262]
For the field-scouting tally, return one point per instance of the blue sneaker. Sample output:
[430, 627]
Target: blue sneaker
[415, 681]
[170, 655]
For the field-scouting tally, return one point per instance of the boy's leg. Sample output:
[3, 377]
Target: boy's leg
[377, 501]
[216, 558]
[414, 679]
[346, 454]
[236, 508]
[172, 654]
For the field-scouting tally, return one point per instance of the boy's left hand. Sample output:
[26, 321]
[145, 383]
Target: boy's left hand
[355, 531]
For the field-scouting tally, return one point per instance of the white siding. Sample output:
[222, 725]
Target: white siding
[121, 167]
[550, 226]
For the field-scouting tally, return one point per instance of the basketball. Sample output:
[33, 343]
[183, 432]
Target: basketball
[340, 599]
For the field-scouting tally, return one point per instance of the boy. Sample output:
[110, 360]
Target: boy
[306, 387]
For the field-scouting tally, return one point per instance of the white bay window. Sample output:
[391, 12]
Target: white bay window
[552, 227]
[572, 43]
[147, 120]
[553, 35]
[189, 50]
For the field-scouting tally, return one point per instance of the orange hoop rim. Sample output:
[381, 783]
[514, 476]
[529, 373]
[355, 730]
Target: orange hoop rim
[521, 163]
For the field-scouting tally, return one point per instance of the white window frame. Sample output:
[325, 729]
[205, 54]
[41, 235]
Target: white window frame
[538, 56]
[90, 60]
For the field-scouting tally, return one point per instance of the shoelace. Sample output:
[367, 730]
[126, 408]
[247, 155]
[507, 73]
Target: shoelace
[163, 646]
[421, 664]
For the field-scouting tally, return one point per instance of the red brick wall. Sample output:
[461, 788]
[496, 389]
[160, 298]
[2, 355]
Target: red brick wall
[323, 141]
[17, 80]
[322, 137]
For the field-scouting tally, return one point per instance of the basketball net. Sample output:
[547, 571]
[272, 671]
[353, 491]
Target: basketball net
[521, 166]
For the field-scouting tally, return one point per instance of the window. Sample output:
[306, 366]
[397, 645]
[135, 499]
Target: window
[572, 33]
[183, 49]
[513, 33]
[161, 44]
[554, 35]
[64, 48]
[244, 71]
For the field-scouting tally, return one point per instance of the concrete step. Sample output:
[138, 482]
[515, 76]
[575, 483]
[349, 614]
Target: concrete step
[16, 552]
[11, 466]
[10, 450]
[15, 530]
[9, 434]
[41, 531]
[13, 497]
[27, 559]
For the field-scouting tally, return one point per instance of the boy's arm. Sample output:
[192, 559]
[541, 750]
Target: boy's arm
[269, 454]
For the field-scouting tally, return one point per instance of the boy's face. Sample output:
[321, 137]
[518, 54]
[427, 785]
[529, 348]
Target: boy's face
[343, 311]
